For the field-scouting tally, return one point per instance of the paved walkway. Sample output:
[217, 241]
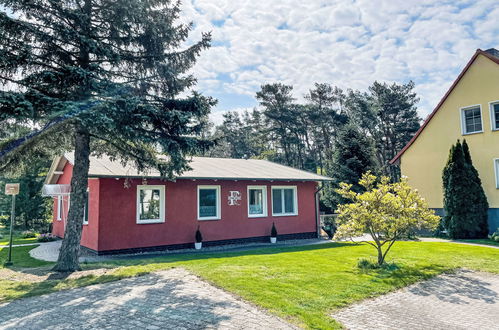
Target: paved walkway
[172, 299]
[465, 300]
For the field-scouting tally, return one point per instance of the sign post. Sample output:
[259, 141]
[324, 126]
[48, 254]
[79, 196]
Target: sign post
[11, 189]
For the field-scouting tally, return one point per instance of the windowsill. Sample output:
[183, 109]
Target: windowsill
[478, 132]
[85, 224]
[146, 222]
[285, 215]
[208, 219]
[257, 215]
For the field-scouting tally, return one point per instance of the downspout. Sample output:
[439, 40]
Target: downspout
[317, 216]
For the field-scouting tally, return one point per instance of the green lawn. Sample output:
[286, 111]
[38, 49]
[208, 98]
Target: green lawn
[16, 240]
[16, 237]
[485, 241]
[301, 284]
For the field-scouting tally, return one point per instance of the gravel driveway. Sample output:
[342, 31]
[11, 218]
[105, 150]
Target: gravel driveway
[465, 300]
[172, 299]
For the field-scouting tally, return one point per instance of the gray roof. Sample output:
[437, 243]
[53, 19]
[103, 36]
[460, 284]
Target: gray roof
[202, 168]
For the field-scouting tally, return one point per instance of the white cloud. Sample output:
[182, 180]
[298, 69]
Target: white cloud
[217, 117]
[348, 43]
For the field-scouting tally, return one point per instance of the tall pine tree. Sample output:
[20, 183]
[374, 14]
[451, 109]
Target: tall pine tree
[353, 156]
[388, 113]
[465, 203]
[100, 77]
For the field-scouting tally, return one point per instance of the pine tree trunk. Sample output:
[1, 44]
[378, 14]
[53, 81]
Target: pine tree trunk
[70, 249]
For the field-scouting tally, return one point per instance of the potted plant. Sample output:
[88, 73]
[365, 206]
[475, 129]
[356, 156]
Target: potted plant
[273, 234]
[199, 240]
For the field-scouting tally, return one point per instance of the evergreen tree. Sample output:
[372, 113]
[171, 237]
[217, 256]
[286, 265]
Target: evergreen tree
[388, 113]
[32, 210]
[480, 204]
[100, 77]
[326, 117]
[465, 203]
[280, 115]
[353, 156]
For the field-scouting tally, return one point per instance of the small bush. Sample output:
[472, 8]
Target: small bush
[495, 236]
[367, 264]
[273, 231]
[46, 238]
[1, 236]
[28, 234]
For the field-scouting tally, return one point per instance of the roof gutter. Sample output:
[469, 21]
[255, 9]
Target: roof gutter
[209, 178]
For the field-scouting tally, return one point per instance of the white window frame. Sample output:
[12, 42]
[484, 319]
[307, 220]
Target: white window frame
[59, 207]
[496, 171]
[162, 206]
[492, 115]
[463, 121]
[295, 192]
[264, 201]
[219, 205]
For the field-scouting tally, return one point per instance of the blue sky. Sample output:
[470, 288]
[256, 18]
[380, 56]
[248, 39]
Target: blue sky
[345, 43]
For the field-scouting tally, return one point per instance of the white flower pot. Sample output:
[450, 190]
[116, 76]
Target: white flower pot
[273, 240]
[198, 246]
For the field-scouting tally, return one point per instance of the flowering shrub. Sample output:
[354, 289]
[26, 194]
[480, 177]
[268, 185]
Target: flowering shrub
[28, 234]
[46, 238]
[387, 211]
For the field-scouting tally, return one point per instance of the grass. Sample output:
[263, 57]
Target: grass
[301, 284]
[16, 237]
[481, 241]
[16, 240]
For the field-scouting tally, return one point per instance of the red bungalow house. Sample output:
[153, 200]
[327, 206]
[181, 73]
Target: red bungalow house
[232, 200]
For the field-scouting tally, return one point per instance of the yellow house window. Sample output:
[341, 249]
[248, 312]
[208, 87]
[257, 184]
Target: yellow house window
[494, 115]
[471, 119]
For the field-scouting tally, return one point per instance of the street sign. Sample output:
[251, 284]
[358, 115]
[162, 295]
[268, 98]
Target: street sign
[12, 189]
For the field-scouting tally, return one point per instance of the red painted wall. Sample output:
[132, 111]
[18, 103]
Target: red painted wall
[119, 230]
[112, 214]
[89, 235]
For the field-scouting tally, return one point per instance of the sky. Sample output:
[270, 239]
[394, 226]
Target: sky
[347, 43]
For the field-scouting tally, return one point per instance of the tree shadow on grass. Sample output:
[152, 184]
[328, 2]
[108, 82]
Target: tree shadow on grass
[148, 299]
[400, 275]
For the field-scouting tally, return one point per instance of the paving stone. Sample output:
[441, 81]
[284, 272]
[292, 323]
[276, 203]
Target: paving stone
[464, 300]
[172, 299]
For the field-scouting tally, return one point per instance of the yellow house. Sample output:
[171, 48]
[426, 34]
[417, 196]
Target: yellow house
[469, 110]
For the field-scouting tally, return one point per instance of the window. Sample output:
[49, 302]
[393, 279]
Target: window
[494, 115]
[257, 201]
[85, 210]
[471, 119]
[59, 207]
[208, 202]
[496, 169]
[284, 200]
[150, 204]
